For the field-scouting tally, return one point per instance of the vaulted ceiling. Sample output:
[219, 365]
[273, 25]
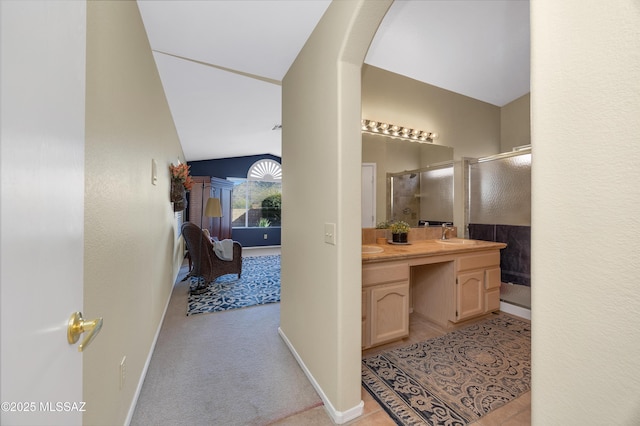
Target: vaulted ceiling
[222, 61]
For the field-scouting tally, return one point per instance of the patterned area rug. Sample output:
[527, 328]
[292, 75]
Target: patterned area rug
[454, 379]
[259, 284]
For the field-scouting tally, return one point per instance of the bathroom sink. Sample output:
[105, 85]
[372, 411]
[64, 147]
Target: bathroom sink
[457, 241]
[371, 249]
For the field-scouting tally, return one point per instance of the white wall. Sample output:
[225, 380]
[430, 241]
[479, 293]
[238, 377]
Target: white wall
[585, 107]
[131, 254]
[515, 123]
[321, 283]
[470, 126]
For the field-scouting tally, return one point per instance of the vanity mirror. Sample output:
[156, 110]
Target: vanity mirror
[422, 197]
[398, 157]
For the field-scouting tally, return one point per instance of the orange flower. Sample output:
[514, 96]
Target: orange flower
[180, 173]
[188, 183]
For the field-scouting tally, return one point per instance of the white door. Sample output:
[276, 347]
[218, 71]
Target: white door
[42, 91]
[368, 195]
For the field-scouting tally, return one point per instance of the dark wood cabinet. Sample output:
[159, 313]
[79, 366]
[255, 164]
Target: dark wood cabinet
[205, 187]
[221, 226]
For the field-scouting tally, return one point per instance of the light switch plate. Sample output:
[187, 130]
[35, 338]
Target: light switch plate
[330, 233]
[154, 171]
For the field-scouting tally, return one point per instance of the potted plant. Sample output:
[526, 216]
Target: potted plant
[181, 182]
[399, 231]
[382, 225]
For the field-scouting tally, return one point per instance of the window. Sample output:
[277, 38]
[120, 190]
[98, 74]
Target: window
[257, 199]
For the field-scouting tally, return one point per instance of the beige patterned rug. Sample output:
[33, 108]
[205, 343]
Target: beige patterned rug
[454, 379]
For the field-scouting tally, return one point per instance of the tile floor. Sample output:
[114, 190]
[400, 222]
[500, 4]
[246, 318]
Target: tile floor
[516, 413]
[518, 295]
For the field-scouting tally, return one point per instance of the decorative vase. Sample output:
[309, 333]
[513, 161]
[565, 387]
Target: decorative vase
[399, 238]
[178, 196]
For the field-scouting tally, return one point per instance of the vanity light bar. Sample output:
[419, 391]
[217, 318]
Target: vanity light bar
[377, 127]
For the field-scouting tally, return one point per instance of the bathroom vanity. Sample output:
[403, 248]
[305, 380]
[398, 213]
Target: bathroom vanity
[444, 281]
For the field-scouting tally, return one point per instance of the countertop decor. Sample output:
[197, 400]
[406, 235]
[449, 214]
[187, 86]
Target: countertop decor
[399, 231]
[181, 182]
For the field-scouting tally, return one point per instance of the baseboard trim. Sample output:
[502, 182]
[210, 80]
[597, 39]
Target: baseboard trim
[261, 247]
[515, 310]
[134, 402]
[338, 417]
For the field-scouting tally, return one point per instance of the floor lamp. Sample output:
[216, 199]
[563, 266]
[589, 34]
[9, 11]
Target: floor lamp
[213, 208]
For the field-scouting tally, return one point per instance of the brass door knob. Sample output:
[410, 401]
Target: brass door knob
[77, 325]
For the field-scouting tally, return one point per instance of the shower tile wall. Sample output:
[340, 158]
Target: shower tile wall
[405, 204]
[515, 259]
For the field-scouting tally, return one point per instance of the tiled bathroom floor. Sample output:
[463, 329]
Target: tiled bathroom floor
[518, 295]
[515, 413]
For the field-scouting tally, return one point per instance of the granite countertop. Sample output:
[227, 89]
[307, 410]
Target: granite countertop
[422, 248]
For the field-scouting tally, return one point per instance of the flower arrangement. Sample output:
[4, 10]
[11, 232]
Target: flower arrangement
[180, 173]
[399, 227]
[400, 232]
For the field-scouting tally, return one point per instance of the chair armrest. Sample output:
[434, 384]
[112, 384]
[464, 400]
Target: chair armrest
[237, 250]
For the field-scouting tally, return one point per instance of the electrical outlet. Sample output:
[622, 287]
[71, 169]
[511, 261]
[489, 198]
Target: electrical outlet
[123, 371]
[265, 236]
[330, 233]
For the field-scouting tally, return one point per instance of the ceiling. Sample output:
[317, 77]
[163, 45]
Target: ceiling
[222, 61]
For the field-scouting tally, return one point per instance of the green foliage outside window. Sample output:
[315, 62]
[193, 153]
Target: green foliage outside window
[272, 209]
[256, 200]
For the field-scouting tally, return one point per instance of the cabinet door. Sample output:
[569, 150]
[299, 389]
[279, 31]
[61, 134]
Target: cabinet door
[492, 300]
[389, 311]
[220, 227]
[469, 294]
[197, 198]
[492, 278]
[492, 290]
[366, 294]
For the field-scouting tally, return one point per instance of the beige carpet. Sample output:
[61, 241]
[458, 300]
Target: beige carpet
[454, 379]
[225, 368]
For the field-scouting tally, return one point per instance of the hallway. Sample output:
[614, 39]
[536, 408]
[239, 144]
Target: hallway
[226, 368]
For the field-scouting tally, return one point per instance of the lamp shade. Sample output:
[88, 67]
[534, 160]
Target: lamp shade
[213, 208]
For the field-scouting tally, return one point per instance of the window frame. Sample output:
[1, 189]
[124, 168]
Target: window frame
[265, 170]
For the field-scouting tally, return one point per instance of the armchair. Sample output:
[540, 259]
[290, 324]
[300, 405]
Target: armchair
[206, 264]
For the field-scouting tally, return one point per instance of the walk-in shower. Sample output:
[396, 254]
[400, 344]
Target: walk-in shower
[498, 208]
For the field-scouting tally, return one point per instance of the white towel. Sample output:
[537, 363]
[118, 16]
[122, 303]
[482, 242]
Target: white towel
[223, 249]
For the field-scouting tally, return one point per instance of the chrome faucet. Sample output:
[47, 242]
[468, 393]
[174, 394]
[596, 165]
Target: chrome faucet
[445, 228]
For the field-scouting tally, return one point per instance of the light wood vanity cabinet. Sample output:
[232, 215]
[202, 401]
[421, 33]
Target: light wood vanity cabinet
[470, 295]
[441, 285]
[385, 303]
[492, 289]
[477, 284]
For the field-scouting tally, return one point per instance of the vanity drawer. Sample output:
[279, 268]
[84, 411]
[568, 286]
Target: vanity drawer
[492, 300]
[478, 261]
[492, 278]
[385, 273]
